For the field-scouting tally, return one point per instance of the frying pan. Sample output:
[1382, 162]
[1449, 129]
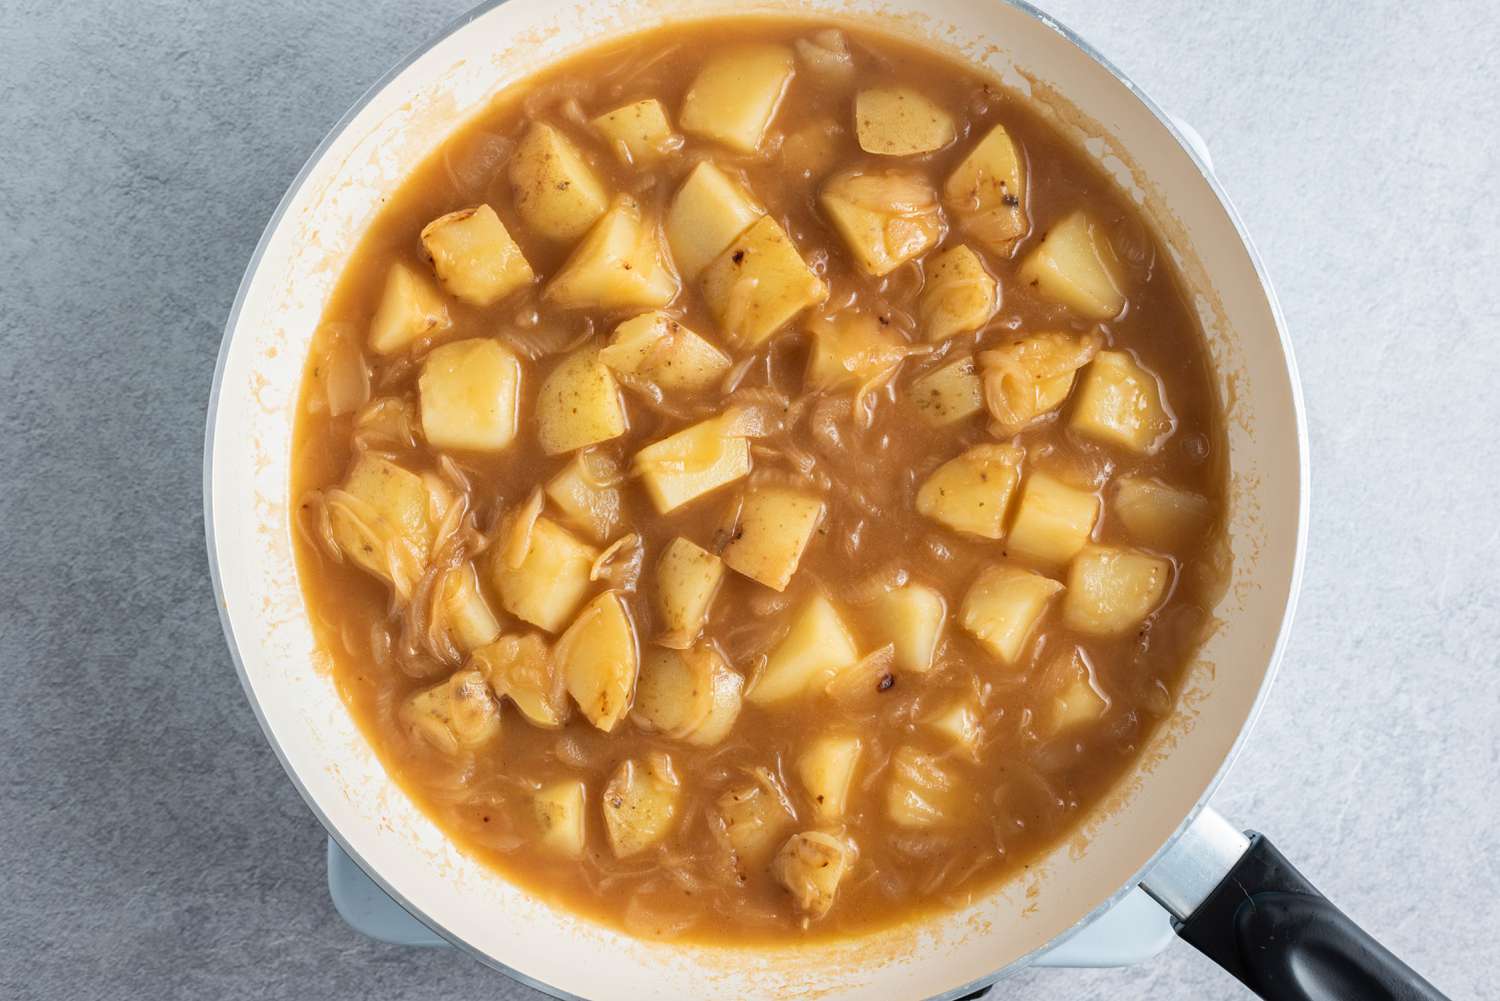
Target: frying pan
[1233, 895]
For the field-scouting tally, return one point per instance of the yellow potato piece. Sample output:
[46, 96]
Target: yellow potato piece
[1120, 403]
[911, 619]
[600, 658]
[687, 578]
[1053, 520]
[1026, 380]
[708, 212]
[1073, 699]
[1112, 590]
[384, 520]
[640, 804]
[959, 723]
[578, 404]
[852, 349]
[587, 492]
[1002, 608]
[737, 93]
[470, 621]
[550, 581]
[771, 534]
[959, 295]
[621, 264]
[751, 821]
[759, 283]
[920, 792]
[826, 770]
[900, 121]
[971, 493]
[948, 394]
[522, 668]
[455, 715]
[659, 348]
[557, 193]
[411, 309]
[885, 217]
[818, 647]
[639, 132]
[691, 463]
[474, 256]
[1076, 266]
[810, 866]
[691, 695]
[470, 396]
[1157, 515]
[987, 192]
[560, 810]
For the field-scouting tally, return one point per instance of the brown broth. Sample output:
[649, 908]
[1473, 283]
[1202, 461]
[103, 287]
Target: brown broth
[1026, 791]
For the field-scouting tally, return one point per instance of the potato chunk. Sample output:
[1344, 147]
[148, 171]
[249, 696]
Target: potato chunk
[560, 809]
[557, 193]
[959, 722]
[826, 770]
[972, 492]
[900, 121]
[550, 579]
[384, 520]
[1120, 403]
[911, 619]
[920, 792]
[1160, 516]
[640, 803]
[751, 820]
[885, 217]
[474, 256]
[587, 492]
[687, 578]
[987, 192]
[771, 534]
[736, 94]
[692, 695]
[708, 212]
[1002, 608]
[1074, 699]
[1053, 520]
[455, 715]
[759, 283]
[660, 349]
[818, 646]
[639, 132]
[600, 659]
[621, 264]
[470, 396]
[948, 394]
[1076, 266]
[852, 349]
[959, 295]
[1026, 380]
[578, 404]
[811, 865]
[410, 309]
[469, 619]
[524, 670]
[1112, 590]
[694, 461]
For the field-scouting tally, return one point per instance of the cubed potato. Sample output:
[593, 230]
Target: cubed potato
[659, 348]
[551, 580]
[560, 809]
[911, 619]
[885, 217]
[1121, 403]
[600, 658]
[826, 770]
[587, 492]
[474, 256]
[958, 296]
[708, 212]
[383, 520]
[621, 264]
[826, 58]
[1002, 608]
[759, 283]
[692, 695]
[455, 715]
[920, 792]
[1053, 520]
[818, 646]
[771, 534]
[987, 192]
[1112, 590]
[900, 121]
[470, 621]
[470, 396]
[752, 822]
[639, 132]
[578, 404]
[687, 578]
[1076, 266]
[557, 193]
[850, 350]
[411, 308]
[640, 803]
[810, 866]
[1027, 380]
[971, 493]
[1075, 697]
[523, 669]
[1160, 516]
[948, 394]
[736, 94]
[959, 722]
[693, 462]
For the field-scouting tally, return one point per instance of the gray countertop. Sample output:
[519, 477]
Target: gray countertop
[150, 846]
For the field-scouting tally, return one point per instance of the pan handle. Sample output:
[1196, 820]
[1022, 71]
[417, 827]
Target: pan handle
[1238, 901]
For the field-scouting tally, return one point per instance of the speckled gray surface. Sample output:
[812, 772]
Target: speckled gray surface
[150, 846]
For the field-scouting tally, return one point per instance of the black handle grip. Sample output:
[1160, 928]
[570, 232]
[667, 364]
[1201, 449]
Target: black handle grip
[1270, 927]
